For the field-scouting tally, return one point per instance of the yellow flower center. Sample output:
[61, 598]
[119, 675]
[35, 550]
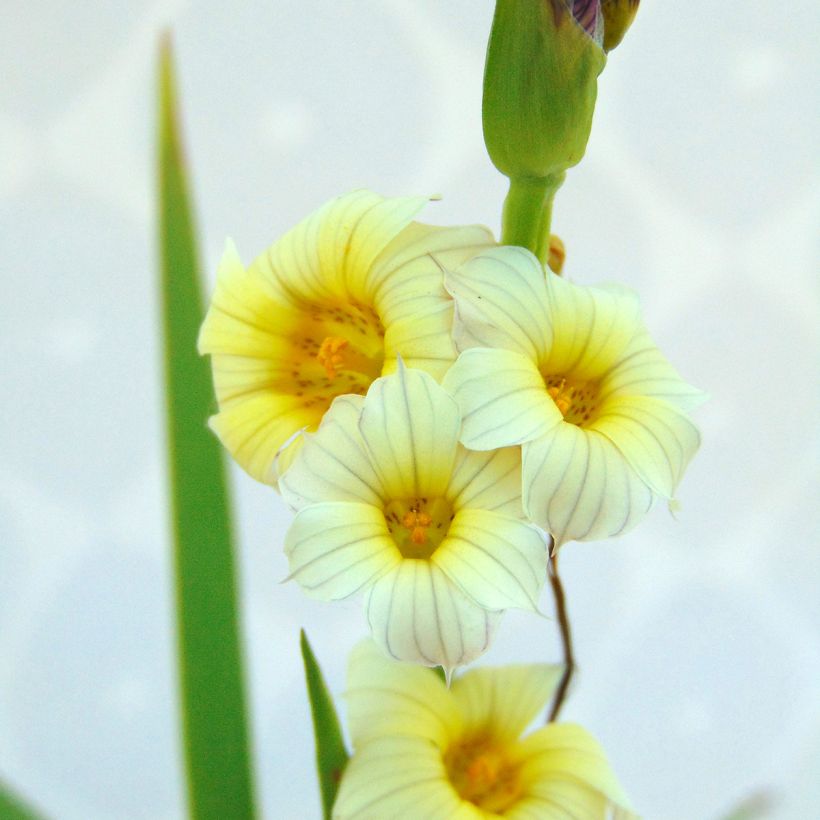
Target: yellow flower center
[418, 525]
[330, 350]
[483, 774]
[576, 401]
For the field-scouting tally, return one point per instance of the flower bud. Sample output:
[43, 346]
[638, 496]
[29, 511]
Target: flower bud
[540, 84]
[618, 16]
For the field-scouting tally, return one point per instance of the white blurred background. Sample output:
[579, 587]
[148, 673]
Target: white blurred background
[698, 639]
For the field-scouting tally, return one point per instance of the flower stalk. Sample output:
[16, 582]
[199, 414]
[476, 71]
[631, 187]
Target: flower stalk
[566, 639]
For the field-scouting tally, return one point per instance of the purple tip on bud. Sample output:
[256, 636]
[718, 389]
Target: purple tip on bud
[587, 14]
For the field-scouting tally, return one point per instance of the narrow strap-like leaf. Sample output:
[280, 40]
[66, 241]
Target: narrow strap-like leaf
[215, 734]
[13, 808]
[331, 755]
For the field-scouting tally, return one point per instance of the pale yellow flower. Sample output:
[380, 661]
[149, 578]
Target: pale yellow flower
[426, 752]
[323, 312]
[389, 503]
[571, 374]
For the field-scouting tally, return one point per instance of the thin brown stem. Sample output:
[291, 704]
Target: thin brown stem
[566, 638]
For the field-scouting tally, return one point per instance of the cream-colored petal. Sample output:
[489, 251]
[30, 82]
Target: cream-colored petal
[560, 756]
[656, 438]
[416, 614]
[393, 778]
[255, 428]
[578, 486]
[591, 327]
[501, 301]
[487, 480]
[409, 272]
[502, 398]
[643, 370]
[497, 560]
[335, 549]
[410, 426]
[333, 464]
[423, 340]
[504, 700]
[385, 697]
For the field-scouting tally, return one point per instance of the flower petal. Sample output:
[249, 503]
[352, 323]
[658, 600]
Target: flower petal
[333, 464]
[389, 698]
[326, 255]
[566, 765]
[393, 777]
[501, 301]
[502, 397]
[409, 272]
[423, 339]
[410, 426]
[578, 486]
[255, 428]
[504, 700]
[335, 549]
[498, 560]
[417, 615]
[591, 327]
[487, 480]
[656, 439]
[644, 371]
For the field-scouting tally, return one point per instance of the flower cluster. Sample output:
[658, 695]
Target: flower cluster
[433, 405]
[441, 411]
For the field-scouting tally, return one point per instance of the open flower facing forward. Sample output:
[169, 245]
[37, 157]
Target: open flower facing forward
[390, 503]
[570, 373]
[422, 750]
[323, 312]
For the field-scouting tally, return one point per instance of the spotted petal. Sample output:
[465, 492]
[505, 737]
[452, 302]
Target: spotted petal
[336, 549]
[417, 614]
[578, 486]
[497, 560]
[502, 398]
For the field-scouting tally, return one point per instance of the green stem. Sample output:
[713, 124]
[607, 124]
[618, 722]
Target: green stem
[527, 213]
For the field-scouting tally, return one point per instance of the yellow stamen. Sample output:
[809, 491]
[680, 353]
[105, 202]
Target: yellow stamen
[483, 774]
[562, 401]
[330, 354]
[418, 522]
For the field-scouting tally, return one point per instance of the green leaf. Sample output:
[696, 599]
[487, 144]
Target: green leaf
[331, 755]
[215, 734]
[12, 808]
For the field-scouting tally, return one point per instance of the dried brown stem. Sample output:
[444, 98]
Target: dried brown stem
[566, 638]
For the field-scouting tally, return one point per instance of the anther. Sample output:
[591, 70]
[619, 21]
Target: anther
[330, 354]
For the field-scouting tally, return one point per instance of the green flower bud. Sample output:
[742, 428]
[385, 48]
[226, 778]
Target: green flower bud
[540, 84]
[618, 16]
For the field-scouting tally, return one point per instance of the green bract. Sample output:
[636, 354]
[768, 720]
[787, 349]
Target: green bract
[540, 85]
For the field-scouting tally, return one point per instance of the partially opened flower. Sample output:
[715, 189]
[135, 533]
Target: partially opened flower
[390, 503]
[423, 750]
[570, 373]
[323, 312]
